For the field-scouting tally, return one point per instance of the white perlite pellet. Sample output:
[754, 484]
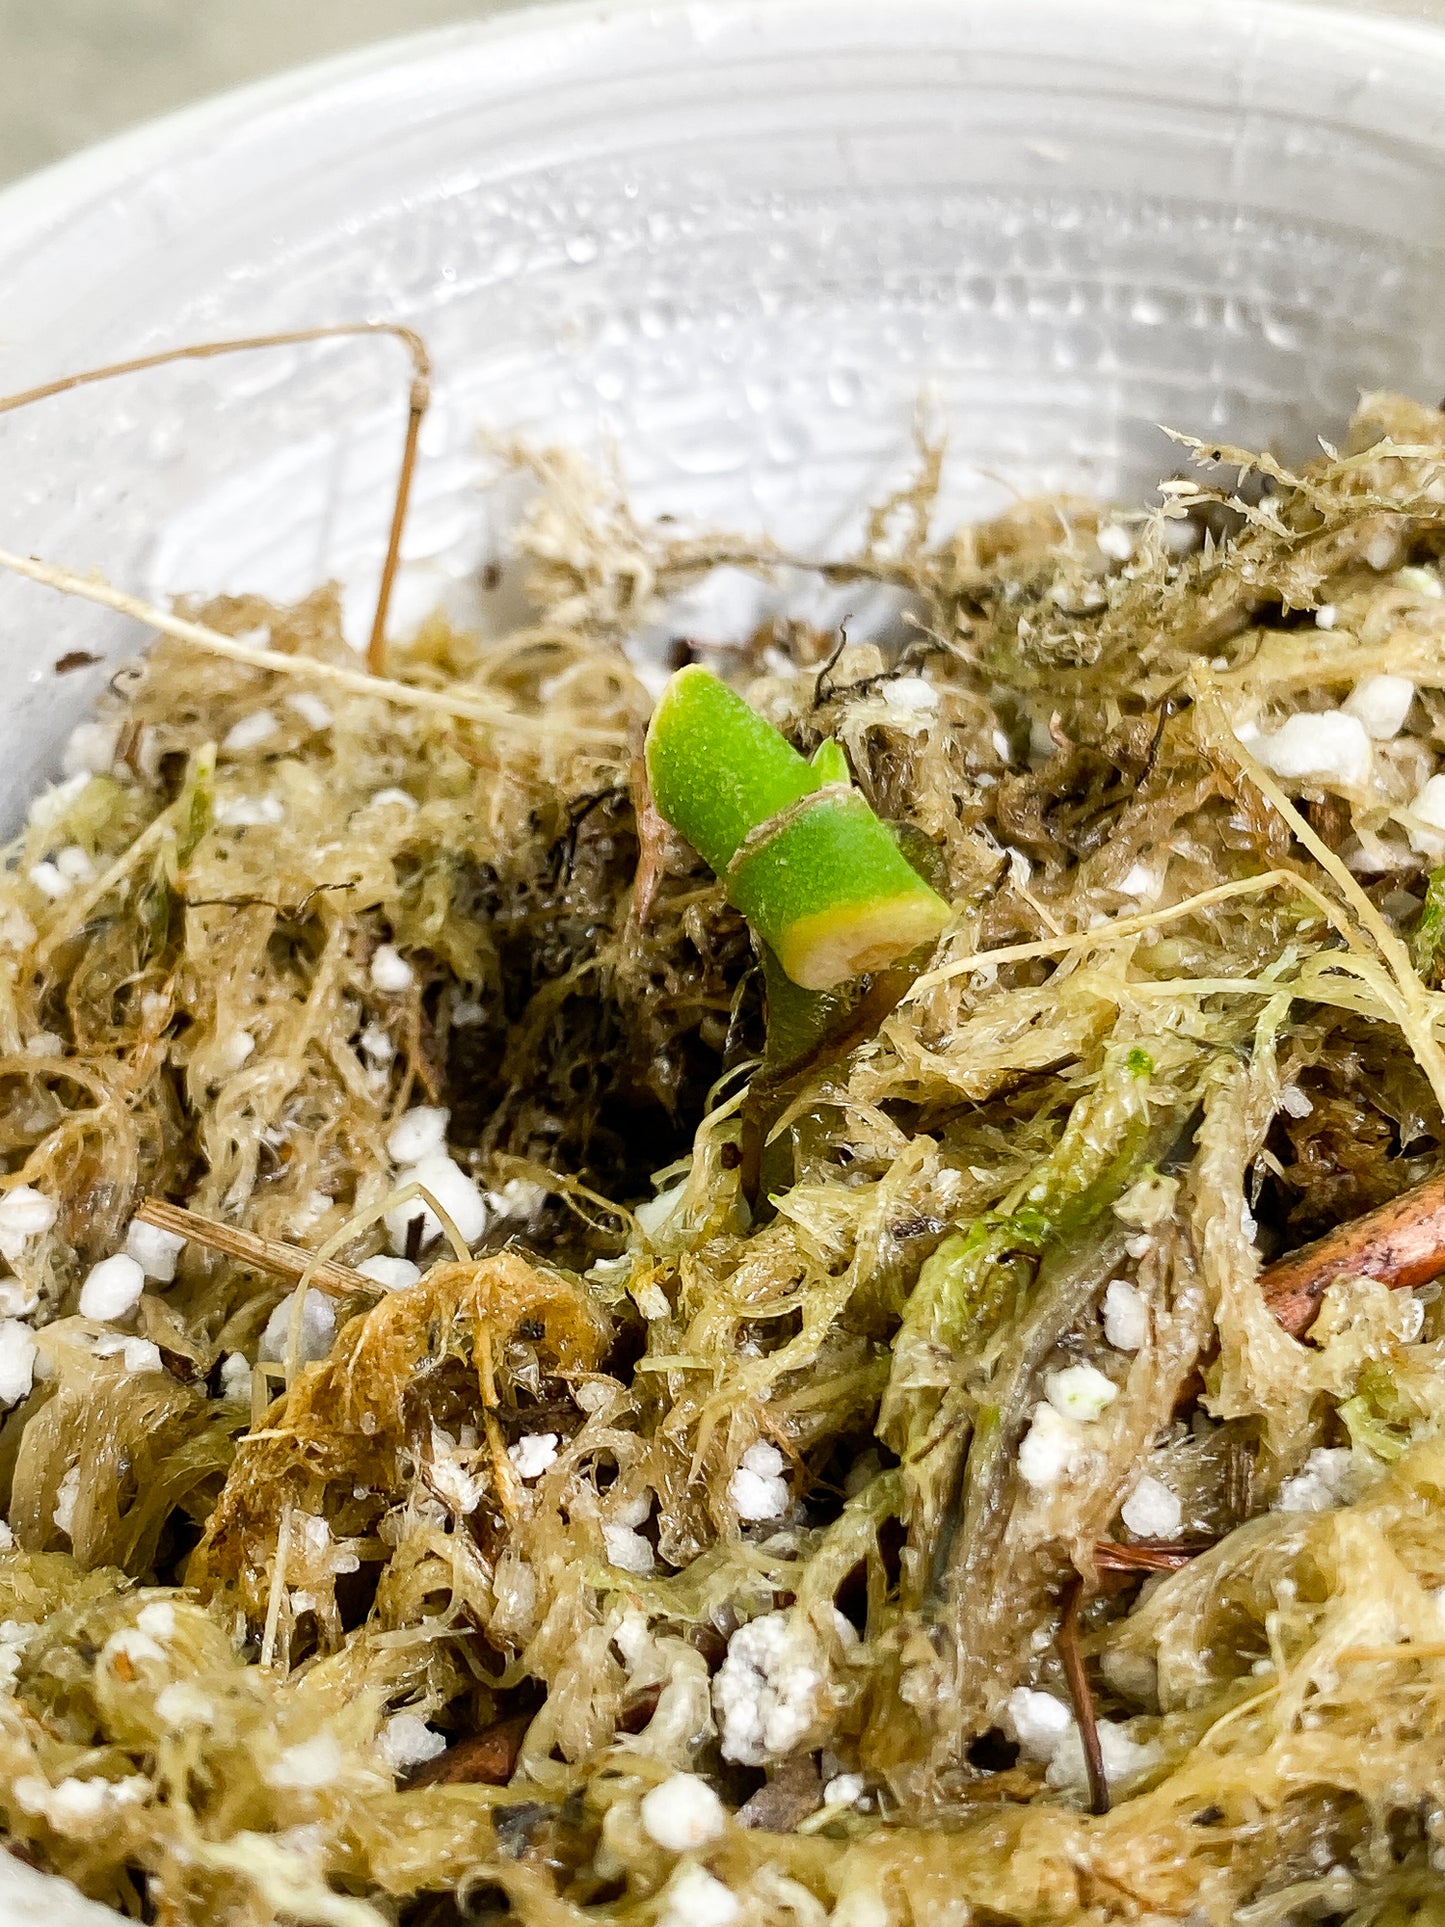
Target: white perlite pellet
[154, 1250]
[757, 1489]
[1328, 1478]
[1039, 1721]
[405, 1741]
[1126, 1316]
[627, 1550]
[1045, 1729]
[1329, 745]
[696, 1898]
[1115, 541]
[911, 695]
[1080, 1392]
[377, 1045]
[250, 812]
[1381, 703]
[67, 1498]
[74, 864]
[90, 749]
[768, 1692]
[844, 1790]
[418, 1133]
[1429, 808]
[1049, 1449]
[310, 708]
[683, 1812]
[533, 1454]
[1152, 1510]
[313, 1763]
[135, 1354]
[239, 1046]
[390, 971]
[318, 1328]
[158, 1619]
[392, 1274]
[235, 1376]
[250, 732]
[444, 1180]
[24, 1214]
[112, 1288]
[17, 1361]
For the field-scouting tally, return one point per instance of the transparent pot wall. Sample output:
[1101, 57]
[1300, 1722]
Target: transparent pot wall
[744, 245]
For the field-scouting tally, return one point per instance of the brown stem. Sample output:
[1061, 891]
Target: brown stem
[416, 408]
[418, 400]
[1071, 1658]
[1111, 1556]
[773, 1086]
[266, 1254]
[1402, 1244]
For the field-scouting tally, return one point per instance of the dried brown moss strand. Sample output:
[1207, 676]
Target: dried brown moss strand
[418, 401]
[1071, 1658]
[1111, 1556]
[284, 1261]
[203, 350]
[416, 409]
[454, 702]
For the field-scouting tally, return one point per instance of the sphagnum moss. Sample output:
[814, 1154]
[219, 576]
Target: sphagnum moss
[781, 1486]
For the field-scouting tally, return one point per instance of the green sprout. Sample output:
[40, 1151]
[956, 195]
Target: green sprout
[819, 877]
[1430, 930]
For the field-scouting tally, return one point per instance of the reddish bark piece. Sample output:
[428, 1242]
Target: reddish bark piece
[1402, 1243]
[488, 1758]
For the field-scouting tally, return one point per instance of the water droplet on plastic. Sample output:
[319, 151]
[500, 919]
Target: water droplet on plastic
[719, 451]
[581, 248]
[845, 387]
[786, 440]
[1278, 332]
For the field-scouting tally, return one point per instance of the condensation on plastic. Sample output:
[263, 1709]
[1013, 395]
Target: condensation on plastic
[744, 246]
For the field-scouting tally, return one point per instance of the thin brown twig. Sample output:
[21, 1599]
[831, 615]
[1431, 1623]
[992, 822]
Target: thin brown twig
[418, 400]
[1111, 1556]
[1071, 1658]
[416, 407]
[454, 701]
[285, 1261]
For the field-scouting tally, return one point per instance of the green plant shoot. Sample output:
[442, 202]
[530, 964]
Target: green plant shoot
[818, 876]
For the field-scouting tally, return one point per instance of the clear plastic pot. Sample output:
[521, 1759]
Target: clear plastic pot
[746, 243]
